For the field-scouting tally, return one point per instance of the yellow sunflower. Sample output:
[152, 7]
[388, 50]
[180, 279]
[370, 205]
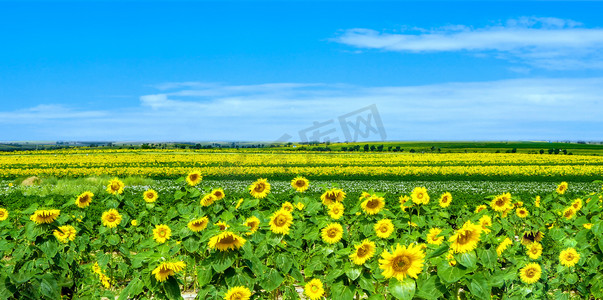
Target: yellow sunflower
[445, 199]
[373, 205]
[45, 216]
[402, 261]
[260, 188]
[150, 196]
[332, 233]
[115, 186]
[480, 208]
[198, 224]
[465, 239]
[529, 237]
[314, 289]
[384, 228]
[402, 200]
[299, 206]
[225, 241]
[419, 195]
[363, 252]
[253, 223]
[569, 257]
[65, 233]
[501, 203]
[588, 225]
[134, 223]
[537, 201]
[287, 206]
[280, 222]
[562, 188]
[193, 178]
[300, 184]
[569, 213]
[534, 250]
[162, 233]
[111, 218]
[522, 212]
[222, 225]
[84, 199]
[485, 221]
[530, 273]
[167, 269]
[238, 293]
[239, 203]
[577, 204]
[218, 193]
[432, 236]
[208, 200]
[336, 210]
[3, 214]
[331, 196]
[503, 246]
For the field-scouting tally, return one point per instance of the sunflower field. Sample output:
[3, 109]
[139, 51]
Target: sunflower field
[294, 244]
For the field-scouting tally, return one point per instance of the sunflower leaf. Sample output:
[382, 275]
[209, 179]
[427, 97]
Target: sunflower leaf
[402, 289]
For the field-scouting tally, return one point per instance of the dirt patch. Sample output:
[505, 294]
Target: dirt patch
[30, 181]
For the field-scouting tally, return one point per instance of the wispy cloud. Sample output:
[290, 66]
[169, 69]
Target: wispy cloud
[549, 43]
[505, 109]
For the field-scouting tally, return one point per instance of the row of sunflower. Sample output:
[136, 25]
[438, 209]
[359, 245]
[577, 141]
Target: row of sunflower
[267, 246]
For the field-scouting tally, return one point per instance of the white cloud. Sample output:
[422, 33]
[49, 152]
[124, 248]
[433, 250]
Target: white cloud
[549, 43]
[506, 109]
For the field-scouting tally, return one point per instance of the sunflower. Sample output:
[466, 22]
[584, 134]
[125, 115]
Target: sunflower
[530, 273]
[218, 193]
[522, 212]
[501, 203]
[577, 204]
[225, 241]
[402, 200]
[336, 210]
[84, 199]
[537, 201]
[384, 228]
[96, 269]
[363, 196]
[419, 195]
[569, 257]
[569, 213]
[588, 225]
[299, 206]
[134, 223]
[531, 237]
[432, 236]
[373, 205]
[503, 246]
[167, 269]
[150, 196]
[239, 203]
[281, 221]
[260, 188]
[115, 186]
[300, 184]
[45, 216]
[238, 293]
[161, 233]
[253, 223]
[223, 226]
[465, 239]
[331, 196]
[287, 206]
[534, 250]
[402, 261]
[111, 218]
[314, 289]
[561, 188]
[208, 200]
[485, 221]
[198, 224]
[445, 199]
[193, 178]
[3, 214]
[480, 208]
[450, 258]
[65, 233]
[332, 233]
[363, 252]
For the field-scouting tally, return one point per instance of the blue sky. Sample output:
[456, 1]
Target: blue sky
[247, 70]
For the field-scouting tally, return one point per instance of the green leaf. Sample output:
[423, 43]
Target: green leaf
[339, 291]
[479, 287]
[468, 259]
[172, 289]
[353, 272]
[437, 252]
[272, 280]
[488, 257]
[113, 240]
[449, 274]
[204, 275]
[431, 288]
[571, 278]
[367, 283]
[222, 262]
[376, 297]
[50, 248]
[284, 262]
[191, 244]
[402, 289]
[49, 287]
[334, 274]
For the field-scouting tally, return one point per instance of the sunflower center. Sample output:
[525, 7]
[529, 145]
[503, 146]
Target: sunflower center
[335, 210]
[259, 187]
[500, 202]
[193, 177]
[420, 195]
[300, 183]
[445, 199]
[150, 195]
[372, 204]
[227, 240]
[530, 273]
[314, 289]
[332, 232]
[534, 250]
[465, 237]
[115, 186]
[568, 213]
[401, 263]
[84, 199]
[162, 233]
[362, 251]
[569, 256]
[280, 220]
[111, 218]
[383, 228]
